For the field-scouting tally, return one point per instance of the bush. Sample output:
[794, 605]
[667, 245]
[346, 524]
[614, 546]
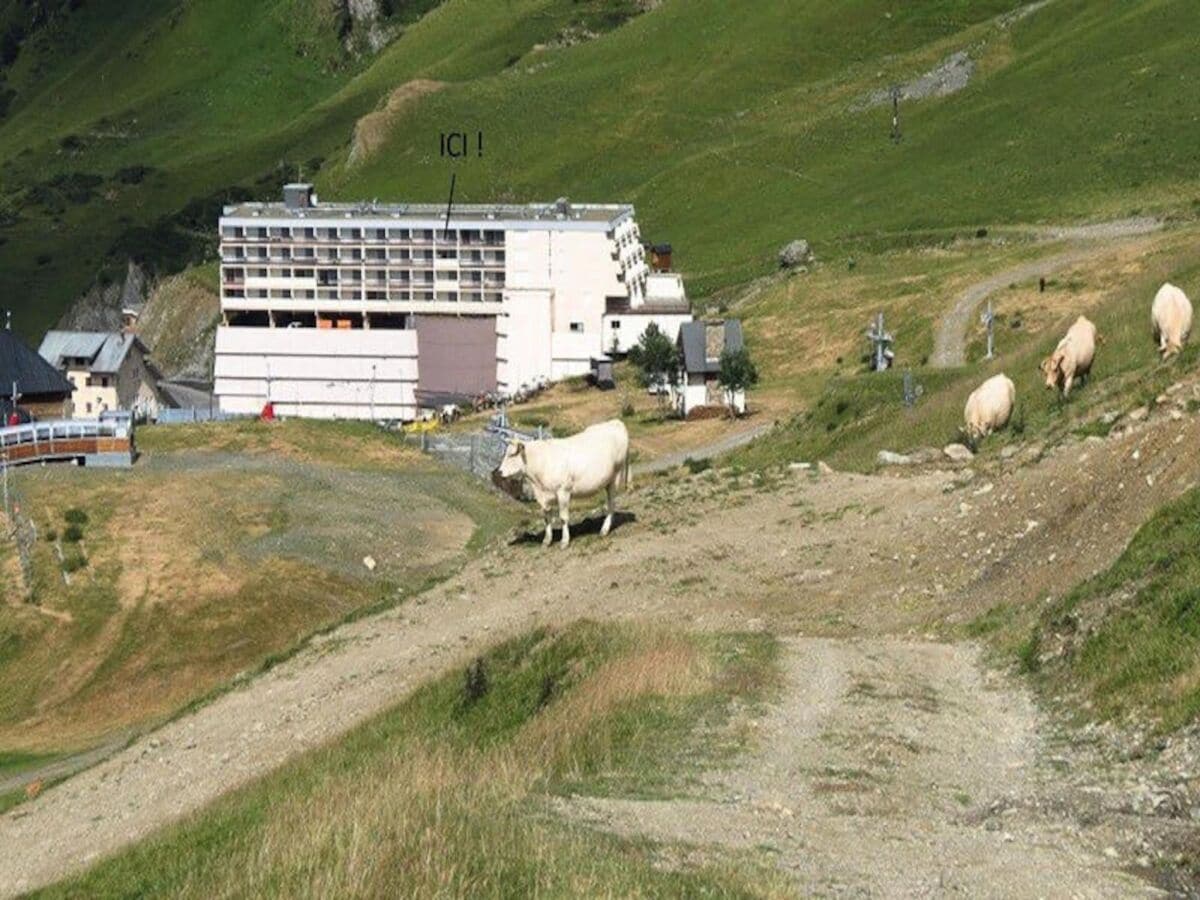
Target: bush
[73, 562]
[627, 410]
[132, 174]
[51, 535]
[72, 534]
[75, 516]
[696, 466]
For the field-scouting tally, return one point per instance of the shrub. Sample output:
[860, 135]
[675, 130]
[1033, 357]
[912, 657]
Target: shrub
[627, 410]
[73, 562]
[73, 534]
[51, 535]
[1028, 653]
[133, 174]
[75, 516]
[696, 466]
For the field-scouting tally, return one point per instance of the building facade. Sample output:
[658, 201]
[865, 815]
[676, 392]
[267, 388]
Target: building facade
[701, 345]
[374, 311]
[109, 371]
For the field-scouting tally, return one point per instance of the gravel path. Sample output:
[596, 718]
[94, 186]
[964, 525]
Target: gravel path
[950, 342]
[709, 451]
[884, 751]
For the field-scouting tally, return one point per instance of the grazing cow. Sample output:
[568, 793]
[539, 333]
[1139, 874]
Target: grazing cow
[989, 407]
[595, 459]
[1171, 316]
[1073, 356]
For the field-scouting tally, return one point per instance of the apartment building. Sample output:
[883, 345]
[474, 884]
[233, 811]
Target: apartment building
[374, 311]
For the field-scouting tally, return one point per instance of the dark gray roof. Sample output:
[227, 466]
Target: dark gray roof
[33, 375]
[695, 350]
[104, 351]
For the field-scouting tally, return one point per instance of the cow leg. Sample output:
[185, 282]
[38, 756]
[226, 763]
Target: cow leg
[549, 518]
[1067, 382]
[564, 511]
[612, 496]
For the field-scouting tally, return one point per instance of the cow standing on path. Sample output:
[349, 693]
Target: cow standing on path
[556, 470]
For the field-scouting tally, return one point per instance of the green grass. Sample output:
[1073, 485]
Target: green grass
[854, 416]
[1132, 633]
[446, 794]
[729, 138]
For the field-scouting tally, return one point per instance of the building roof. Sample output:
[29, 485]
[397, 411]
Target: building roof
[560, 213]
[33, 375]
[103, 351]
[702, 356]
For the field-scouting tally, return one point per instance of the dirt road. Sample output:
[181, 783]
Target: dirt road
[905, 754]
[841, 556]
[950, 341]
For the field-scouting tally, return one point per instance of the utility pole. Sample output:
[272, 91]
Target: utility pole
[881, 341]
[896, 114]
[988, 320]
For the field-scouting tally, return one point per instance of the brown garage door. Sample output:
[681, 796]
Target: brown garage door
[456, 355]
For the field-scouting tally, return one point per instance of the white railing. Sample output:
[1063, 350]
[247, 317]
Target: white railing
[48, 432]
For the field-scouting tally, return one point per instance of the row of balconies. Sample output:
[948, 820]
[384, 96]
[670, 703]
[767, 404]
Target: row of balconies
[424, 240]
[360, 262]
[392, 295]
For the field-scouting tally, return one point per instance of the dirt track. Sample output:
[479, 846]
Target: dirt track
[902, 753]
[950, 342]
[842, 556]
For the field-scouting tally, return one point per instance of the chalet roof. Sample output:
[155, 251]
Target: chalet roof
[702, 355]
[33, 375]
[103, 351]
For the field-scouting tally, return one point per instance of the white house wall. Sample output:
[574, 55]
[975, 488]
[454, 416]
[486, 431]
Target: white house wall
[320, 373]
[633, 326]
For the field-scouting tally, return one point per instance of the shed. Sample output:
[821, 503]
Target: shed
[701, 345]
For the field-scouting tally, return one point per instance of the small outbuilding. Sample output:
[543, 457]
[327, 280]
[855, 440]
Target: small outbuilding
[701, 345]
[41, 389]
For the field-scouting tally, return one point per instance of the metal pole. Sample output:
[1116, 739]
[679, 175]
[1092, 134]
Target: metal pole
[895, 114]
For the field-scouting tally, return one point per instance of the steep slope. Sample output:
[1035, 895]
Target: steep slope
[130, 122]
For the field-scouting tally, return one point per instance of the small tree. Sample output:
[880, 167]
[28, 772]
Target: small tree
[738, 373]
[657, 358]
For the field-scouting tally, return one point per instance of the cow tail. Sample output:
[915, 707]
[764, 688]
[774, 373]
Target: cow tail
[628, 475]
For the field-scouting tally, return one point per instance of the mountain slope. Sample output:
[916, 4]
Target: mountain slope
[732, 132]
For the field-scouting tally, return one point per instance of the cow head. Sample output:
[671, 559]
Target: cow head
[1051, 369]
[508, 475]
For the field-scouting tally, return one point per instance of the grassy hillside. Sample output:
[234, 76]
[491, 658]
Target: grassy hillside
[446, 795]
[226, 547]
[732, 132]
[1127, 642]
[852, 414]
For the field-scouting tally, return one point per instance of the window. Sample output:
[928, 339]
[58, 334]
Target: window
[616, 324]
[577, 327]
[89, 407]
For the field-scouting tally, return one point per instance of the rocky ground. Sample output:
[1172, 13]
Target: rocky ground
[892, 743]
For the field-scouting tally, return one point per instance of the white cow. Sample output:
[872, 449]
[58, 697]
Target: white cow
[1073, 356]
[990, 406]
[1171, 317]
[556, 470]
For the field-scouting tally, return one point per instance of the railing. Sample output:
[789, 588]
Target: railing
[64, 439]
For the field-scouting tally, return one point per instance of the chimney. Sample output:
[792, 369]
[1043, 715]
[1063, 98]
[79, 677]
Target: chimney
[298, 196]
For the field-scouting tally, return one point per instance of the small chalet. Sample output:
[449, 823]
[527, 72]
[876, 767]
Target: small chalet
[701, 345]
[40, 388]
[109, 370]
